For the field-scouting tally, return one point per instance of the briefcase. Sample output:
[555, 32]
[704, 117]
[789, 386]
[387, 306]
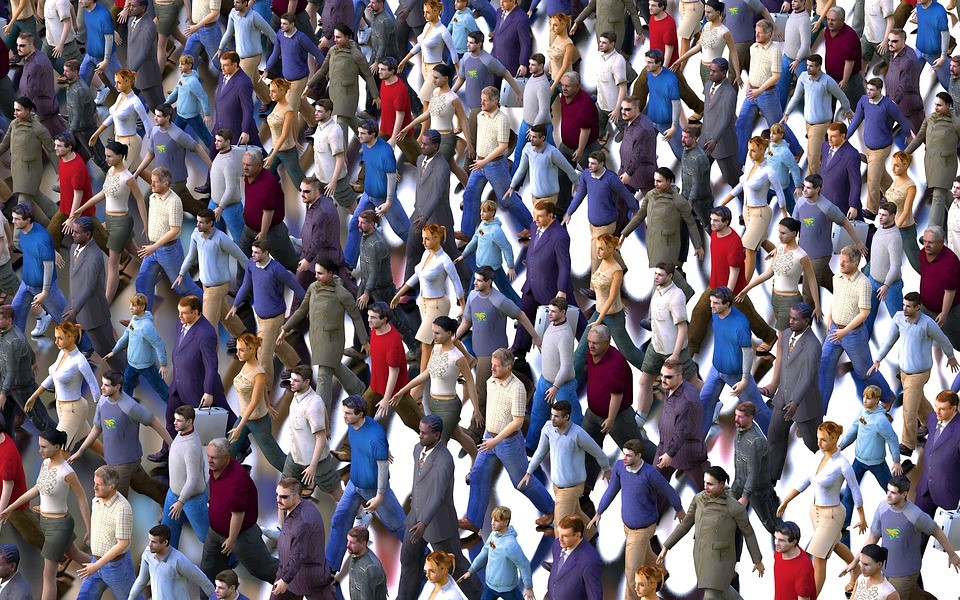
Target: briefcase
[950, 523]
[508, 98]
[210, 423]
[541, 323]
[841, 238]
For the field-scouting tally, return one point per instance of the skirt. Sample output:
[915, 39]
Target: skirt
[73, 421]
[57, 536]
[426, 90]
[691, 14]
[430, 309]
[448, 145]
[449, 413]
[827, 525]
[168, 17]
[757, 222]
[120, 229]
[781, 308]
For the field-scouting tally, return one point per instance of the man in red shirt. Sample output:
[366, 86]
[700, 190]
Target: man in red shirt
[24, 520]
[939, 282]
[663, 37]
[75, 189]
[792, 567]
[727, 269]
[388, 369]
[843, 55]
[576, 128]
[395, 112]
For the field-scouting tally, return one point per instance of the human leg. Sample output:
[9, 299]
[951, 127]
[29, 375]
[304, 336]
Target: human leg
[511, 454]
[481, 485]
[709, 397]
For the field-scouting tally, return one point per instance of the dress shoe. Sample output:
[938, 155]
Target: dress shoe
[159, 457]
[466, 525]
[587, 292]
[547, 566]
[907, 466]
[354, 354]
[905, 452]
[125, 323]
[232, 346]
[202, 189]
[544, 520]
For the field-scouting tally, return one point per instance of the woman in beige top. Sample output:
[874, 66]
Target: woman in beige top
[713, 39]
[255, 409]
[903, 192]
[282, 121]
[22, 19]
[562, 52]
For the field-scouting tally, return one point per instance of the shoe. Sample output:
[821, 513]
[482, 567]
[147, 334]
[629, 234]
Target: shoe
[43, 323]
[285, 378]
[266, 110]
[159, 457]
[524, 236]
[587, 292]
[56, 187]
[272, 533]
[905, 452]
[547, 566]
[716, 412]
[645, 324]
[102, 94]
[354, 354]
[587, 506]
[232, 346]
[413, 355]
[124, 322]
[466, 525]
[363, 519]
[922, 433]
[202, 189]
[907, 466]
[544, 520]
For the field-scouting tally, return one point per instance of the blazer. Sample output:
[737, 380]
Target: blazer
[88, 286]
[414, 18]
[549, 257]
[234, 107]
[940, 159]
[195, 365]
[940, 458]
[902, 82]
[719, 119]
[432, 495]
[431, 203]
[142, 53]
[579, 576]
[798, 377]
[512, 39]
[841, 176]
[16, 589]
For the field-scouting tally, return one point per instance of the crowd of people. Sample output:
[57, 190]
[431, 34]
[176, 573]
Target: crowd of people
[336, 217]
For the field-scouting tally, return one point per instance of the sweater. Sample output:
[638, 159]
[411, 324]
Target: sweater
[544, 167]
[568, 452]
[294, 50]
[886, 255]
[536, 101]
[225, 173]
[491, 245]
[214, 254]
[557, 354]
[602, 193]
[503, 557]
[878, 120]
[872, 430]
[188, 469]
[267, 285]
[143, 343]
[796, 36]
[918, 338]
[639, 506]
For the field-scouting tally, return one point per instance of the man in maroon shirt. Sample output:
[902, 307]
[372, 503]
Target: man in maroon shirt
[843, 56]
[233, 518]
[576, 128]
[939, 282]
[263, 212]
[663, 37]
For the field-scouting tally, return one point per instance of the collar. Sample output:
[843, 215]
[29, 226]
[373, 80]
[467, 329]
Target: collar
[945, 424]
[666, 288]
[600, 176]
[878, 101]
[504, 382]
[264, 265]
[632, 469]
[856, 275]
[108, 503]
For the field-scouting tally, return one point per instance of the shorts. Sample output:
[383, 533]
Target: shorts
[120, 229]
[57, 536]
[827, 525]
[653, 361]
[757, 222]
[327, 479]
[168, 16]
[429, 311]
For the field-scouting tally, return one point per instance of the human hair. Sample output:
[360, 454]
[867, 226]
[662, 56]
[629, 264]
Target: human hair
[186, 411]
[899, 32]
[716, 5]
[563, 19]
[6, 311]
[356, 403]
[25, 211]
[765, 26]
[791, 224]
[789, 529]
[948, 396]
[326, 104]
[226, 134]
[876, 82]
[610, 35]
[955, 58]
[305, 372]
[838, 12]
[815, 59]
[666, 173]
[139, 300]
[668, 267]
[370, 126]
[85, 223]
[389, 63]
[832, 429]
[693, 130]
[126, 75]
[263, 244]
[161, 532]
[54, 436]
[814, 179]
[901, 482]
[25, 102]
[231, 57]
[655, 55]
[852, 252]
[228, 577]
[186, 59]
[539, 59]
[632, 100]
[654, 574]
[539, 130]
[777, 128]
[66, 138]
[905, 159]
[446, 323]
[344, 30]
[369, 215]
[114, 376]
[443, 70]
[563, 407]
[838, 127]
[936, 231]
[327, 263]
[475, 36]
[673, 365]
[505, 356]
[603, 332]
[250, 342]
[359, 533]
[289, 17]
[108, 474]
[282, 85]
[572, 522]
[207, 215]
[435, 5]
[491, 93]
[502, 513]
[191, 302]
[561, 303]
[876, 552]
[220, 445]
[434, 422]
[598, 155]
[660, 3]
[748, 408]
[634, 445]
[165, 110]
[436, 230]
[488, 206]
[380, 308]
[486, 272]
[442, 560]
[163, 175]
[946, 97]
[890, 207]
[608, 240]
[573, 76]
[913, 298]
[11, 554]
[756, 141]
[291, 484]
[723, 212]
[27, 37]
[546, 205]
[723, 294]
[721, 62]
[805, 310]
[718, 473]
[118, 148]
[69, 330]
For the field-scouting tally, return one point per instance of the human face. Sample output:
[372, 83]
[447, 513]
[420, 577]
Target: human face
[429, 14]
[894, 496]
[813, 69]
[61, 149]
[895, 43]
[910, 309]
[274, 92]
[240, 6]
[5, 322]
[204, 225]
[596, 347]
[628, 111]
[872, 92]
[742, 420]
[245, 352]
[440, 335]
[286, 499]
[508, 5]
[80, 235]
[69, 74]
[554, 314]
[535, 67]
[488, 214]
[931, 245]
[899, 169]
[604, 250]
[655, 8]
[670, 379]
[160, 119]
[870, 403]
[434, 572]
[299, 384]
[136, 8]
[868, 566]
[945, 411]
[717, 74]
[383, 72]
[286, 26]
[430, 241]
[776, 137]
[651, 65]
[113, 159]
[605, 45]
[687, 140]
[480, 284]
[487, 104]
[711, 486]
[366, 136]
[594, 165]
[323, 276]
[216, 461]
[558, 419]
[826, 442]
[376, 6]
[228, 67]
[499, 369]
[321, 114]
[810, 192]
[847, 265]
[355, 547]
[21, 112]
[716, 306]
[19, 222]
[630, 458]
[834, 22]
[798, 5]
[427, 146]
[885, 218]
[340, 39]
[567, 88]
[761, 34]
[785, 234]
[25, 48]
[797, 321]
[252, 166]
[543, 218]
[257, 254]
[107, 388]
[220, 143]
[710, 14]
[644, 587]
[187, 315]
[137, 309]
[568, 538]
[756, 154]
[350, 417]
[308, 193]
[365, 226]
[101, 489]
[835, 138]
[955, 68]
[6, 568]
[158, 545]
[781, 544]
[498, 525]
[64, 340]
[661, 183]
[179, 422]
[473, 46]
[940, 107]
[660, 278]
[46, 449]
[428, 437]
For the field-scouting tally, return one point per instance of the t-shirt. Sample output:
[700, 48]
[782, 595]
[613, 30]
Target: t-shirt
[99, 24]
[369, 444]
[726, 252]
[394, 97]
[793, 578]
[479, 72]
[742, 15]
[816, 226]
[55, 12]
[37, 246]
[664, 89]
[74, 176]
[170, 148]
[120, 422]
[930, 22]
[489, 316]
[379, 161]
[234, 491]
[386, 350]
[11, 469]
[663, 33]
[730, 335]
[900, 533]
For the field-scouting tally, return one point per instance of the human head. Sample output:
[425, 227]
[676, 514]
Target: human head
[544, 213]
[354, 409]
[875, 88]
[438, 566]
[850, 257]
[536, 63]
[429, 430]
[744, 415]
[557, 309]
[23, 215]
[483, 279]
[943, 103]
[288, 493]
[160, 180]
[811, 186]
[82, 230]
[64, 143]
[489, 99]
[836, 134]
[718, 70]
[932, 240]
[570, 531]
[901, 162]
[183, 418]
[569, 84]
[66, 335]
[248, 347]
[663, 178]
[9, 561]
[872, 557]
[357, 539]
[896, 40]
[897, 489]
[188, 308]
[720, 217]
[26, 43]
[654, 60]
[763, 31]
[663, 273]
[158, 539]
[714, 480]
[835, 19]
[51, 442]
[911, 304]
[444, 328]
[598, 340]
[786, 536]
[946, 405]
[260, 250]
[301, 379]
[105, 481]
[721, 299]
[433, 235]
[648, 579]
[226, 583]
[501, 363]
[218, 454]
[252, 163]
[757, 146]
[671, 375]
[632, 452]
[278, 89]
[828, 433]
[800, 316]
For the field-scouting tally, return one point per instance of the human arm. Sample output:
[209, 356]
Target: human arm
[95, 432]
[911, 195]
[236, 521]
[74, 482]
[143, 578]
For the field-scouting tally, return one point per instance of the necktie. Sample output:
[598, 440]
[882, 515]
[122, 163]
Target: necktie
[504, 17]
[936, 434]
[793, 341]
[423, 457]
[76, 253]
[561, 560]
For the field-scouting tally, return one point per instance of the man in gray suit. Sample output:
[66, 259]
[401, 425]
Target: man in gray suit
[142, 54]
[88, 304]
[719, 136]
[433, 515]
[796, 395]
[14, 585]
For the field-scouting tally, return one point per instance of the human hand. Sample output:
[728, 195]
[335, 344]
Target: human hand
[665, 461]
[607, 425]
[524, 481]
[176, 509]
[228, 545]
[373, 504]
[416, 532]
[873, 368]
[790, 410]
[206, 401]
[176, 282]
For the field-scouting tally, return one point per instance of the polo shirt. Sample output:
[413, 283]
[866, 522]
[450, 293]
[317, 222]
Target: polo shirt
[11, 469]
[726, 252]
[120, 422]
[386, 350]
[731, 335]
[170, 150]
[843, 46]
[937, 276]
[931, 21]
[664, 89]
[610, 375]
[580, 112]
[263, 193]
[663, 33]
[74, 176]
[380, 162]
[232, 492]
[901, 533]
[37, 247]
[488, 315]
[369, 444]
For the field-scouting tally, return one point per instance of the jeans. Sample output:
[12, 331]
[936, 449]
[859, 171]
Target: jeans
[540, 408]
[675, 144]
[90, 63]
[290, 159]
[200, 131]
[497, 172]
[787, 79]
[396, 216]
[209, 37]
[943, 73]
[503, 284]
[710, 395]
[169, 259]
[768, 105]
[617, 322]
[131, 379]
[857, 346]
[54, 304]
[489, 594]
[893, 301]
[511, 455]
[231, 220]
[117, 575]
[882, 474]
[522, 142]
[262, 432]
[194, 510]
[389, 512]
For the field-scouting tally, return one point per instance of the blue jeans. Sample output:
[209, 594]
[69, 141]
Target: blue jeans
[540, 408]
[675, 144]
[209, 37]
[857, 346]
[489, 594]
[881, 472]
[54, 304]
[893, 301]
[503, 284]
[497, 172]
[290, 159]
[943, 73]
[200, 131]
[232, 220]
[398, 219]
[195, 510]
[117, 575]
[90, 63]
[389, 512]
[169, 259]
[710, 395]
[766, 104]
[511, 455]
[262, 432]
[522, 142]
[131, 379]
[787, 78]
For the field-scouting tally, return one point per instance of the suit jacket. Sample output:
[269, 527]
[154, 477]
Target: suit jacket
[719, 119]
[16, 589]
[579, 576]
[433, 191]
[549, 257]
[941, 457]
[432, 495]
[195, 365]
[841, 176]
[142, 53]
[798, 377]
[234, 107]
[512, 39]
[88, 286]
[902, 81]
[941, 135]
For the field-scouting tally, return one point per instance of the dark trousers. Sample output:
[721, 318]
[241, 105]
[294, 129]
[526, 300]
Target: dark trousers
[778, 437]
[38, 416]
[624, 429]
[412, 558]
[882, 474]
[250, 550]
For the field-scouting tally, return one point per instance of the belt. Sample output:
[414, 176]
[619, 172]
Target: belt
[637, 528]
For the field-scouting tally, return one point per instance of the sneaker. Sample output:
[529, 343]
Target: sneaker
[43, 323]
[272, 533]
[363, 519]
[102, 94]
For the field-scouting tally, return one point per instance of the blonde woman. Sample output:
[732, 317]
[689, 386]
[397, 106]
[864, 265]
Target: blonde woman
[67, 375]
[648, 580]
[255, 407]
[123, 116]
[562, 52]
[903, 193]
[282, 122]
[713, 39]
[430, 45]
[438, 569]
[691, 16]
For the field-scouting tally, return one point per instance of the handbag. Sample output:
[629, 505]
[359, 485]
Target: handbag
[841, 238]
[210, 423]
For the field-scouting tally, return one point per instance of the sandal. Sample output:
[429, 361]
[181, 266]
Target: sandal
[62, 569]
[848, 589]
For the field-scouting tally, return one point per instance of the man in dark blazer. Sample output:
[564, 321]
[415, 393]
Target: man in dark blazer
[234, 103]
[939, 486]
[796, 395]
[142, 54]
[577, 566]
[719, 135]
[196, 380]
[15, 585]
[88, 304]
[548, 271]
[902, 80]
[410, 22]
[840, 169]
[512, 38]
[433, 516]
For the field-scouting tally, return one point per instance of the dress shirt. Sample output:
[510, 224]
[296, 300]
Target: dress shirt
[918, 338]
[544, 166]
[668, 308]
[110, 521]
[850, 296]
[568, 450]
[830, 479]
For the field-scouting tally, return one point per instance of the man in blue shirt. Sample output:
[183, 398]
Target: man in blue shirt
[100, 56]
[38, 285]
[663, 102]
[933, 39]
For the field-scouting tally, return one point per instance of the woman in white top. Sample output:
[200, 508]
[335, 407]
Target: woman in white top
[827, 512]
[117, 187]
[66, 378]
[448, 361]
[757, 214]
[430, 45]
[788, 264]
[872, 585]
[54, 483]
[713, 39]
[123, 116]
[440, 585]
[438, 113]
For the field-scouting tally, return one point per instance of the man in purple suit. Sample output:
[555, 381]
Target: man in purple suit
[196, 380]
[577, 566]
[234, 103]
[840, 170]
[942, 456]
[512, 38]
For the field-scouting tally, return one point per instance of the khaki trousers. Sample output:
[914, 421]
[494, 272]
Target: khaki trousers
[908, 589]
[27, 524]
[595, 232]
[878, 179]
[567, 502]
[216, 307]
[637, 552]
[268, 330]
[300, 105]
[821, 268]
[251, 66]
[915, 405]
[816, 135]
